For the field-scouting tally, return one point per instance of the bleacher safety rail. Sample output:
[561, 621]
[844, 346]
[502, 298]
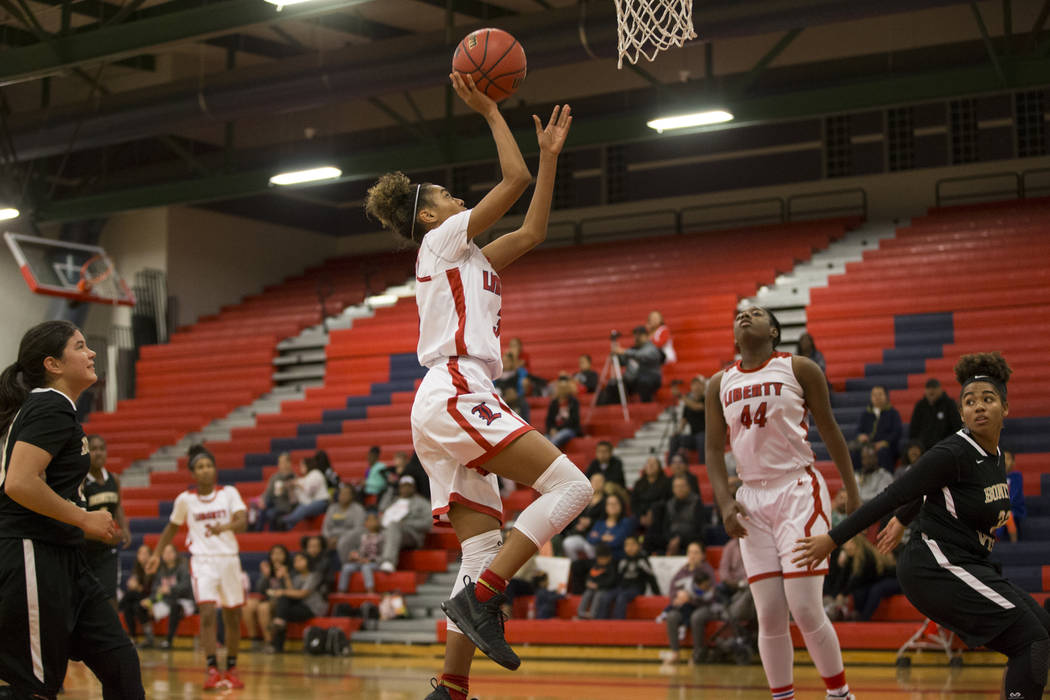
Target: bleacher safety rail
[768, 210]
[834, 203]
[1035, 182]
[1010, 184]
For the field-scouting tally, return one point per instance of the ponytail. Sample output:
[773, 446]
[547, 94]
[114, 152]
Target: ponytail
[13, 394]
[47, 339]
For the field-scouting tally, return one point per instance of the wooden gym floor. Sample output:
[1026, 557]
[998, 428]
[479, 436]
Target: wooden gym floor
[402, 673]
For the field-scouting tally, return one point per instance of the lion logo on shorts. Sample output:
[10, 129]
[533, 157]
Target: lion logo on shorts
[485, 413]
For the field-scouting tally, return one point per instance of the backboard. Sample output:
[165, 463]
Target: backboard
[70, 270]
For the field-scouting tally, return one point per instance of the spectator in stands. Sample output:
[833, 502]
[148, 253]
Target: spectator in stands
[406, 521]
[661, 336]
[521, 583]
[509, 377]
[517, 403]
[278, 500]
[872, 478]
[516, 348]
[405, 465]
[680, 467]
[864, 577]
[634, 574]
[298, 599]
[689, 432]
[311, 495]
[545, 604]
[375, 477]
[607, 463]
[331, 476]
[909, 455]
[732, 577]
[684, 517]
[172, 593]
[880, 425]
[838, 508]
[642, 373]
[258, 608]
[600, 585]
[612, 528]
[363, 550]
[808, 348]
[1015, 480]
[935, 416]
[685, 604]
[528, 383]
[316, 549]
[134, 605]
[586, 378]
[648, 498]
[563, 415]
[574, 543]
[344, 516]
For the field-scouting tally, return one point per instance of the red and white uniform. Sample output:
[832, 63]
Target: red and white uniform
[784, 495]
[215, 564]
[459, 421]
[661, 338]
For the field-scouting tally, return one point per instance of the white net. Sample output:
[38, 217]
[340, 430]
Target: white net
[647, 27]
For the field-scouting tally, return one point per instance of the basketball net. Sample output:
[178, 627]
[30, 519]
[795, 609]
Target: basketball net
[646, 27]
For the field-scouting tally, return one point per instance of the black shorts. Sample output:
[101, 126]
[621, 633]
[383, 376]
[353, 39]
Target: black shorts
[105, 564]
[966, 594]
[52, 609]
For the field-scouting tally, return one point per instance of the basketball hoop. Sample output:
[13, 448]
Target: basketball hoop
[95, 270]
[646, 27]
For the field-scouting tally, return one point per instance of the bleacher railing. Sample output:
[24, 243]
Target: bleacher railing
[982, 187]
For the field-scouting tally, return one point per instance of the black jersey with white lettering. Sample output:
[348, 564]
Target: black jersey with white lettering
[965, 490]
[47, 420]
[101, 495]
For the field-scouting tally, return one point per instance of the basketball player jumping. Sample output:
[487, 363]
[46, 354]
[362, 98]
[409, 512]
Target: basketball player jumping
[764, 400]
[463, 432]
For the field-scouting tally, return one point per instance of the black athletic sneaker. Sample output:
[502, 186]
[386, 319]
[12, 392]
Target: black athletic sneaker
[482, 623]
[440, 691]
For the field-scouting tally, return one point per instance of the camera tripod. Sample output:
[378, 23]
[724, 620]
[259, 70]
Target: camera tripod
[612, 371]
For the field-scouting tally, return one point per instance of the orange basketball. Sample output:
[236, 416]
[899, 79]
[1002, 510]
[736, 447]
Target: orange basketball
[494, 59]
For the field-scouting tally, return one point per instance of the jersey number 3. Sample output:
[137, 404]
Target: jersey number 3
[758, 419]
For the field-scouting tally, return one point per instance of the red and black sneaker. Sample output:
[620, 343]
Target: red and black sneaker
[214, 680]
[482, 623]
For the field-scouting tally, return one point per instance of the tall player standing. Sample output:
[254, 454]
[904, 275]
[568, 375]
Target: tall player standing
[102, 492]
[764, 399]
[52, 608]
[212, 514]
[462, 431]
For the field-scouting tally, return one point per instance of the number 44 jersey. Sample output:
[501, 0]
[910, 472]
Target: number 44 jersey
[767, 417]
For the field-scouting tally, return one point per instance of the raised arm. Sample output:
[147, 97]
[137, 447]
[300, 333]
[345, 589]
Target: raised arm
[508, 248]
[733, 514]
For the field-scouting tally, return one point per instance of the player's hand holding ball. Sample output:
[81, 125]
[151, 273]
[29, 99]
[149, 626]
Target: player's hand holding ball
[471, 96]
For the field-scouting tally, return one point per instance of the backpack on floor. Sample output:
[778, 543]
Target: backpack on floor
[314, 640]
[336, 642]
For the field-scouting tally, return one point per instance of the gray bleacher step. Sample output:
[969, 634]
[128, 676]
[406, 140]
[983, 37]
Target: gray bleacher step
[425, 624]
[378, 636]
[298, 372]
[308, 338]
[445, 578]
[430, 601]
[430, 590]
[300, 357]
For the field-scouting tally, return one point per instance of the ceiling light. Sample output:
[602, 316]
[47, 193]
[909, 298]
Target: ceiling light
[281, 3]
[682, 121]
[298, 177]
[8, 213]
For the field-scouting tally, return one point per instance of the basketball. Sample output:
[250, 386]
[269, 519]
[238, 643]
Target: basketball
[494, 59]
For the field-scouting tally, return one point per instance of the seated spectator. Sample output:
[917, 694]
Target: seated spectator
[516, 348]
[685, 519]
[172, 593]
[838, 508]
[634, 574]
[689, 432]
[528, 383]
[586, 378]
[344, 516]
[864, 577]
[607, 463]
[545, 605]
[574, 544]
[363, 549]
[517, 403]
[910, 455]
[331, 476]
[642, 373]
[521, 583]
[1018, 511]
[600, 585]
[375, 477]
[680, 467]
[648, 497]
[733, 585]
[935, 416]
[298, 599]
[509, 376]
[406, 521]
[880, 425]
[405, 465]
[563, 415]
[278, 500]
[661, 336]
[321, 559]
[258, 608]
[612, 530]
[872, 478]
[685, 605]
[311, 495]
[808, 348]
[134, 605]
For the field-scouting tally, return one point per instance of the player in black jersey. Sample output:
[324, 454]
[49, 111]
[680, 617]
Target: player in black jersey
[960, 493]
[52, 608]
[102, 492]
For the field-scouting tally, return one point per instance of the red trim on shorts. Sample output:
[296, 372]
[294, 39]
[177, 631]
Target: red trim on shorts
[497, 448]
[763, 365]
[508, 409]
[473, 505]
[455, 283]
[459, 382]
[800, 574]
[465, 424]
[818, 507]
[759, 577]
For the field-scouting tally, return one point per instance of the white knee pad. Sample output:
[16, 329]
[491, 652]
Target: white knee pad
[565, 493]
[478, 553]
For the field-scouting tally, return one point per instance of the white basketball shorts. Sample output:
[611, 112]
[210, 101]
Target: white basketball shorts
[459, 423]
[217, 579]
[780, 511]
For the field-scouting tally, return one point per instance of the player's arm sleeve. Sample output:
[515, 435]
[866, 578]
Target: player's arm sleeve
[178, 511]
[933, 470]
[236, 502]
[908, 512]
[49, 429]
[449, 241]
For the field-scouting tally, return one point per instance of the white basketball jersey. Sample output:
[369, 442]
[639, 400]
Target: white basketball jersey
[459, 296]
[766, 412]
[199, 511]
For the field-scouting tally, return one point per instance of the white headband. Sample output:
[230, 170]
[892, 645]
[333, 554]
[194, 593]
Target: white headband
[415, 205]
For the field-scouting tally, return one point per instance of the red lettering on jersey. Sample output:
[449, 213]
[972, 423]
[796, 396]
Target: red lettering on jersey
[492, 283]
[747, 392]
[777, 386]
[210, 515]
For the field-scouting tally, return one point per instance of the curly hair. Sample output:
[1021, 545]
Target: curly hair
[392, 202]
[198, 451]
[984, 364]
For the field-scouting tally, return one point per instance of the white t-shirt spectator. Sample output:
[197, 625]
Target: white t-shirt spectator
[312, 487]
[217, 508]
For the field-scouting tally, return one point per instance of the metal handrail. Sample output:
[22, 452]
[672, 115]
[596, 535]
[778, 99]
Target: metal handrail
[1029, 189]
[791, 214]
[778, 201]
[1017, 191]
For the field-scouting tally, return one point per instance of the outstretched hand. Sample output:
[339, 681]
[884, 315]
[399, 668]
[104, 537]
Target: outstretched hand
[811, 551]
[890, 536]
[552, 137]
[478, 101]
